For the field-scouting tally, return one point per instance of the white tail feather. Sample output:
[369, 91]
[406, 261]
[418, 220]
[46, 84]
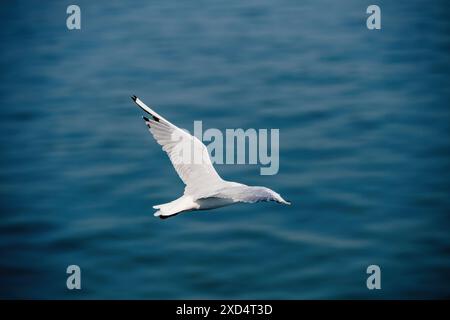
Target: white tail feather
[183, 203]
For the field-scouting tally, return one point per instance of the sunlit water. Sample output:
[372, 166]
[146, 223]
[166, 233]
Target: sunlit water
[364, 148]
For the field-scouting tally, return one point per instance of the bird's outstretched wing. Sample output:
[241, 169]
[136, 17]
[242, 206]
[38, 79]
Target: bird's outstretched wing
[189, 156]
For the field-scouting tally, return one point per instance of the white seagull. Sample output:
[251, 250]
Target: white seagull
[205, 189]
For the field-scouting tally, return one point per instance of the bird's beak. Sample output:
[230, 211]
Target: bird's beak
[285, 201]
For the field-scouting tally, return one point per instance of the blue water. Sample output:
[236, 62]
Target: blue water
[364, 148]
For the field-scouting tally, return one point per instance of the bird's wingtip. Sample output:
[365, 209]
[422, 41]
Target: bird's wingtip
[134, 98]
[145, 118]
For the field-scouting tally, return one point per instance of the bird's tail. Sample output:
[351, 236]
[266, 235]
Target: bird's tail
[179, 205]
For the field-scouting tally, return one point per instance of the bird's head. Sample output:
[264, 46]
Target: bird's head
[270, 195]
[279, 199]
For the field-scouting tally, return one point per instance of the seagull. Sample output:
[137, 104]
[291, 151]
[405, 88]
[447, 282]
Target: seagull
[205, 189]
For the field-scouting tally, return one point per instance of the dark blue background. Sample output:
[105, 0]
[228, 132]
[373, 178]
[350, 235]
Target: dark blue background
[364, 148]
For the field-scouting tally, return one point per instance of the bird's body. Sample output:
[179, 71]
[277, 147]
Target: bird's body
[188, 203]
[205, 189]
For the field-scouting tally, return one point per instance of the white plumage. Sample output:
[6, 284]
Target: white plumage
[205, 189]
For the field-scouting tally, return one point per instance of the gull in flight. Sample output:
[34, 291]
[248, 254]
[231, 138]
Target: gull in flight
[205, 189]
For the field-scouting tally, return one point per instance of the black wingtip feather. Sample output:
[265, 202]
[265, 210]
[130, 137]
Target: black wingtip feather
[145, 118]
[134, 98]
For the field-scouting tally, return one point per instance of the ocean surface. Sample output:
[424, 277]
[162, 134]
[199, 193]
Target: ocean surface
[364, 120]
